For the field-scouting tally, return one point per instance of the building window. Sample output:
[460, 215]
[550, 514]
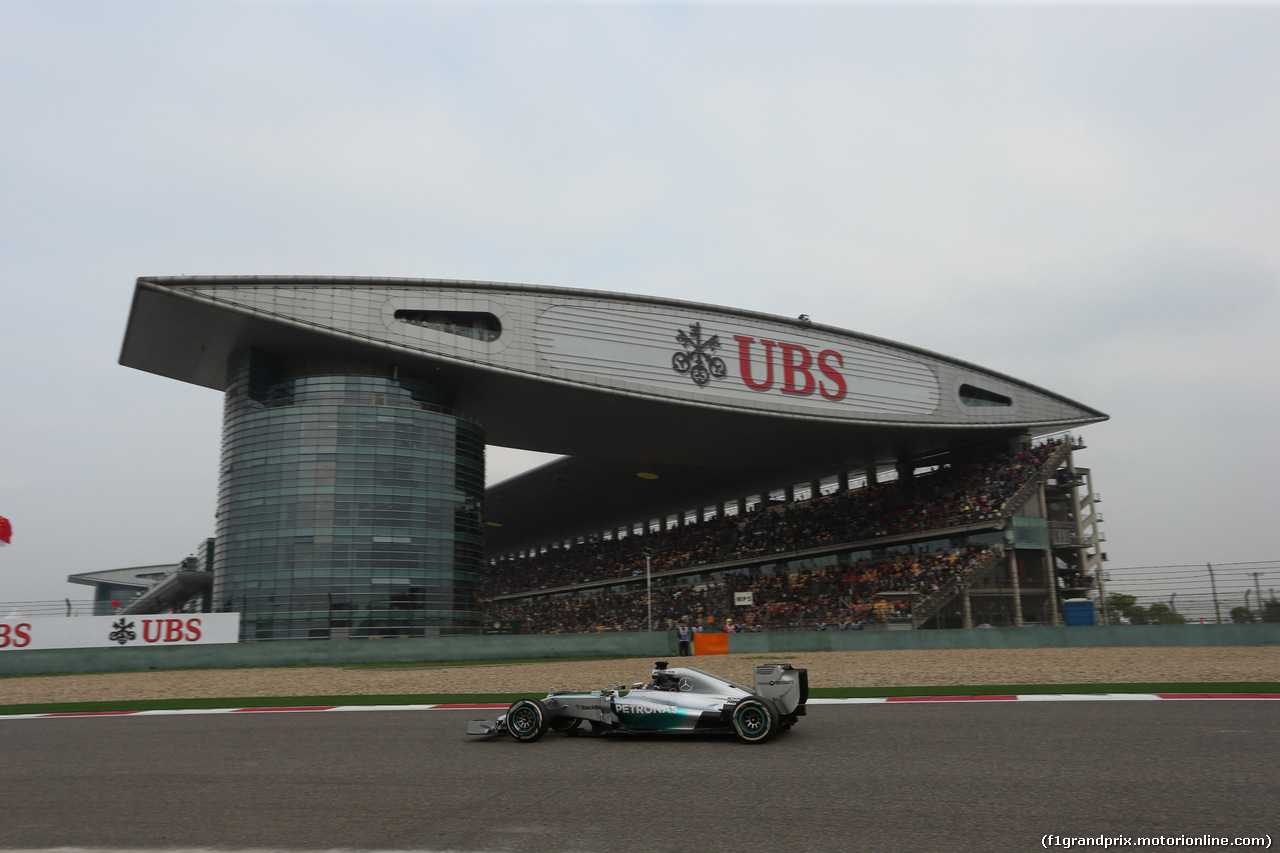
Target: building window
[971, 395]
[479, 325]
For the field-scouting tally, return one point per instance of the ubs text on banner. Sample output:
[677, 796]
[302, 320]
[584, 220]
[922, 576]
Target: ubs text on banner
[86, 632]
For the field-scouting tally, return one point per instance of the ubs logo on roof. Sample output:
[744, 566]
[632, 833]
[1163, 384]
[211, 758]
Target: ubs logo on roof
[732, 361]
[797, 366]
[696, 359]
[799, 371]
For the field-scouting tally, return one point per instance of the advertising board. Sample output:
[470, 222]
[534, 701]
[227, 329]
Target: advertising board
[89, 632]
[741, 363]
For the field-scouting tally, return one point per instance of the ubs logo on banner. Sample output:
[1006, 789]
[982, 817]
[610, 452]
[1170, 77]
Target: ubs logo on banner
[89, 632]
[122, 632]
[157, 630]
[798, 370]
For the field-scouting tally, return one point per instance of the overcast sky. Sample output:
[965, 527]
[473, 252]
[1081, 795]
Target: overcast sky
[1085, 197]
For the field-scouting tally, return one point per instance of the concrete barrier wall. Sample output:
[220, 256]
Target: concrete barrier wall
[644, 645]
[1011, 638]
[334, 653]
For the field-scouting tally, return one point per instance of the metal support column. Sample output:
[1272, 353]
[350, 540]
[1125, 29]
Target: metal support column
[1017, 589]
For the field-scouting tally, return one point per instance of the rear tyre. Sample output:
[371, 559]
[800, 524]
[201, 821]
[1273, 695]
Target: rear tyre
[754, 720]
[527, 720]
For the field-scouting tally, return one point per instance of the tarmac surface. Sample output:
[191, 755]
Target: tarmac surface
[946, 776]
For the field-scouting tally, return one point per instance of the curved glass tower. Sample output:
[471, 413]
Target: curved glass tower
[350, 505]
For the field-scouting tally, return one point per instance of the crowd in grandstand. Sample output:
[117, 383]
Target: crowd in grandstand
[950, 496]
[839, 596]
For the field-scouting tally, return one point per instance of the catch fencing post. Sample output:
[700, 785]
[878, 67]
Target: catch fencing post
[1217, 611]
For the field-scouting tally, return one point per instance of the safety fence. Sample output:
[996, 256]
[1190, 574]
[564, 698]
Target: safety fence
[1208, 593]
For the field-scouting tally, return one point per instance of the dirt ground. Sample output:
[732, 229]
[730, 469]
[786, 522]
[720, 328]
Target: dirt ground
[826, 669]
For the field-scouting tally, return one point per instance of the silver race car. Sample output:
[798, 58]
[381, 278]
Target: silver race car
[681, 699]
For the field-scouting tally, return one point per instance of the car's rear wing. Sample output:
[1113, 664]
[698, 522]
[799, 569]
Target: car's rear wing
[787, 686]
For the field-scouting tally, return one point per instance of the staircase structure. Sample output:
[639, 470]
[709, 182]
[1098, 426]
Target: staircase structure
[1050, 554]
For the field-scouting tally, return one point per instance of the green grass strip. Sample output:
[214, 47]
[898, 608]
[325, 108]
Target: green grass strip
[433, 664]
[506, 698]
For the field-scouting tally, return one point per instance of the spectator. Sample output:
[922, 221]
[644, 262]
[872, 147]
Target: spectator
[684, 636]
[947, 497]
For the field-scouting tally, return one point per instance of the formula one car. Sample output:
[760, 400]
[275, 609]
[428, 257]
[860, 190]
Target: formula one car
[682, 699]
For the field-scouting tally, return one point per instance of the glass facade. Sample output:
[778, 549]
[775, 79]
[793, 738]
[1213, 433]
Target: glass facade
[349, 506]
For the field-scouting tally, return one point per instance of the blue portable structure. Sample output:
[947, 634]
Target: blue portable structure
[1078, 611]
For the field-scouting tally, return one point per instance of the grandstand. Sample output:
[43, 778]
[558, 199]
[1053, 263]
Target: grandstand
[709, 455]
[996, 537]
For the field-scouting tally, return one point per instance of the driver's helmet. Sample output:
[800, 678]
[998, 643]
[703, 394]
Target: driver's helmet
[665, 681]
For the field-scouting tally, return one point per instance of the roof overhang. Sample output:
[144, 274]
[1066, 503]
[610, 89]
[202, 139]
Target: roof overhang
[597, 377]
[535, 389]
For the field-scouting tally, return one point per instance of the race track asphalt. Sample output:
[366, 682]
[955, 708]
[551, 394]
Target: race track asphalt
[945, 777]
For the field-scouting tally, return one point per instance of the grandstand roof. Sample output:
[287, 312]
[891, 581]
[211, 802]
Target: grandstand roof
[137, 576]
[716, 400]
[574, 496]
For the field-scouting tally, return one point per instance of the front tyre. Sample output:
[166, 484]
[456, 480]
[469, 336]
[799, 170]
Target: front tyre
[527, 720]
[754, 720]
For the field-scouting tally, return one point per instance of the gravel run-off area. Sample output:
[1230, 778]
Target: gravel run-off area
[957, 667]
